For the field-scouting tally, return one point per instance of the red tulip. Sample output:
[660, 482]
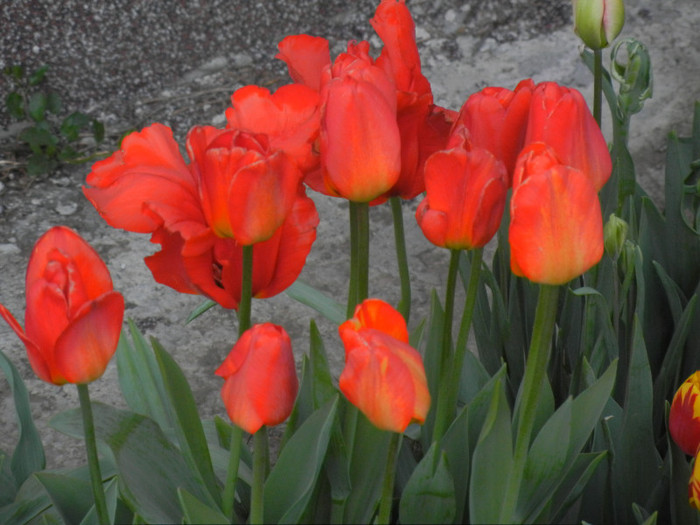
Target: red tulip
[147, 187]
[684, 417]
[383, 376]
[260, 378]
[360, 140]
[73, 316]
[560, 118]
[465, 197]
[497, 120]
[556, 229]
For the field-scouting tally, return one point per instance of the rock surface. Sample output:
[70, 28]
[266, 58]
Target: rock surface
[132, 62]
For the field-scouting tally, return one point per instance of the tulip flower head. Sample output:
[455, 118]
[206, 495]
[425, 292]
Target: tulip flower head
[465, 197]
[694, 485]
[598, 22]
[556, 228]
[383, 375]
[496, 119]
[260, 378]
[73, 316]
[238, 189]
[684, 417]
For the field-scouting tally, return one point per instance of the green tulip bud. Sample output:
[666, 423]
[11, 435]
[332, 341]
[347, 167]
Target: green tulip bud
[598, 22]
[614, 235]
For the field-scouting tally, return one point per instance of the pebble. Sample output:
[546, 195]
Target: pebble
[9, 249]
[67, 209]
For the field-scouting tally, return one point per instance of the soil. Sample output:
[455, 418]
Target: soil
[133, 62]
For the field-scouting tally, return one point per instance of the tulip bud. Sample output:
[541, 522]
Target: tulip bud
[614, 235]
[261, 383]
[684, 417]
[598, 22]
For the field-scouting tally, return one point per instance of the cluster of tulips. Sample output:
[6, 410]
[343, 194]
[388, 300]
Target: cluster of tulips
[234, 222]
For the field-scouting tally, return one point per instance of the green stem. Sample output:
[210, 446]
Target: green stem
[535, 374]
[359, 255]
[260, 465]
[449, 309]
[401, 258]
[93, 460]
[234, 458]
[244, 306]
[597, 85]
[387, 500]
[447, 399]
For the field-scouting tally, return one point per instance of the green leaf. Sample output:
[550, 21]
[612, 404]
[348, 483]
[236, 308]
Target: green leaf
[98, 131]
[15, 105]
[197, 512]
[140, 379]
[636, 465]
[151, 468]
[31, 501]
[37, 76]
[492, 462]
[28, 456]
[570, 490]
[429, 496]
[38, 139]
[73, 124]
[53, 103]
[186, 421]
[36, 107]
[199, 310]
[310, 296]
[39, 164]
[300, 460]
[72, 497]
[14, 71]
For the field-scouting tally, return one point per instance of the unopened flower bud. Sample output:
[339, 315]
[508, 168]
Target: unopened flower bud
[614, 235]
[598, 22]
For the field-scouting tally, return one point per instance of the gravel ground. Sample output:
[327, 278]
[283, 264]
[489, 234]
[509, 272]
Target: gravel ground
[133, 62]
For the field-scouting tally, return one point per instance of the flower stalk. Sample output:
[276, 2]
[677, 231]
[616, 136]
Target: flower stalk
[261, 459]
[93, 460]
[535, 373]
[359, 255]
[386, 502]
[404, 306]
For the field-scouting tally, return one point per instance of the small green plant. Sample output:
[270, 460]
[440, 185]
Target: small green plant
[49, 139]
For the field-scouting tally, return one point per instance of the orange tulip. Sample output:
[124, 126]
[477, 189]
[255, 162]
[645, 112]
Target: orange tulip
[465, 197]
[260, 378]
[73, 316]
[556, 229]
[684, 417]
[497, 120]
[383, 376]
[147, 187]
[559, 117]
[360, 140]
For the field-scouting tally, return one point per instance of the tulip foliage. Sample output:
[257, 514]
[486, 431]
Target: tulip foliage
[557, 397]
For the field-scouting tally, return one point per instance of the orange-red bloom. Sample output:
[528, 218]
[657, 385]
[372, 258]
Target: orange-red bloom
[260, 378]
[465, 196]
[73, 316]
[234, 185]
[559, 117]
[556, 228]
[497, 120]
[383, 376]
[684, 417]
[360, 140]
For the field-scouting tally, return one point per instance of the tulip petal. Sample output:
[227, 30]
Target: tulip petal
[306, 56]
[36, 359]
[148, 168]
[84, 349]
